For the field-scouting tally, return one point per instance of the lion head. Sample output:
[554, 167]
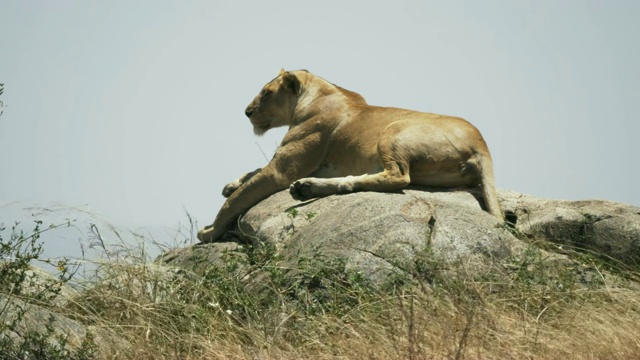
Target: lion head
[275, 104]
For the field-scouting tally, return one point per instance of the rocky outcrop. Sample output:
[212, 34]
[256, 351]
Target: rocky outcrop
[604, 228]
[379, 233]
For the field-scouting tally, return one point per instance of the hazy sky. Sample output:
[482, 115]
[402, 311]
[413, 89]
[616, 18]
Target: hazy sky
[133, 110]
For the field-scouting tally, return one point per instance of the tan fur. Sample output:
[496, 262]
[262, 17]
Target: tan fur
[338, 144]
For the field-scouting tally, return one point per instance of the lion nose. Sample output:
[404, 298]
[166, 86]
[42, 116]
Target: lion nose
[248, 112]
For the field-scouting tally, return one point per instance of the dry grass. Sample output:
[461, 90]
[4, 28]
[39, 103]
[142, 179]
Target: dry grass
[256, 305]
[526, 308]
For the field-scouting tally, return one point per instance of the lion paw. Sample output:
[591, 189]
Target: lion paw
[301, 190]
[230, 188]
[207, 234]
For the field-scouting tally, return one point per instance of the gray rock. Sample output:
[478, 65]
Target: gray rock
[30, 317]
[198, 258]
[606, 228]
[379, 233]
[38, 282]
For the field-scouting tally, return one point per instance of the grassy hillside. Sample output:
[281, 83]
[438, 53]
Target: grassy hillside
[254, 305]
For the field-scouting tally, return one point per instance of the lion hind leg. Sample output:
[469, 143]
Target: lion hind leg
[395, 176]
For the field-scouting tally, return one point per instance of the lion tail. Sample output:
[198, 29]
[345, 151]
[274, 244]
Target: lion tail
[488, 187]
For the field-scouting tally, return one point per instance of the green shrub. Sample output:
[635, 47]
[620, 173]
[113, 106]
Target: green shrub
[22, 286]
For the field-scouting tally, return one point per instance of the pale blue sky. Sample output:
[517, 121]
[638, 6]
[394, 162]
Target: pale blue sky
[134, 109]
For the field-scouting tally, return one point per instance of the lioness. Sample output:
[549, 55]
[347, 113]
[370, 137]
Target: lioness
[337, 144]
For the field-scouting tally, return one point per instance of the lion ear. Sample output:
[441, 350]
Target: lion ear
[282, 72]
[291, 82]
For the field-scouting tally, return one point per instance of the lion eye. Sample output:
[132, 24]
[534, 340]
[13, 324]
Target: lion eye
[266, 94]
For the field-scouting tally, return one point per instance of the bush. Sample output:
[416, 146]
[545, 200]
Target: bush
[21, 286]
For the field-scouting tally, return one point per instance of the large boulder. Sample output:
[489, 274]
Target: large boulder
[379, 233]
[382, 233]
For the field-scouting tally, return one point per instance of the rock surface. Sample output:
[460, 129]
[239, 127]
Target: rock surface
[378, 233]
[602, 227]
[26, 316]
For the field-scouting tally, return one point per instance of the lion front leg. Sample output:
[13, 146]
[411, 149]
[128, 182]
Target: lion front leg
[231, 187]
[255, 189]
[250, 193]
